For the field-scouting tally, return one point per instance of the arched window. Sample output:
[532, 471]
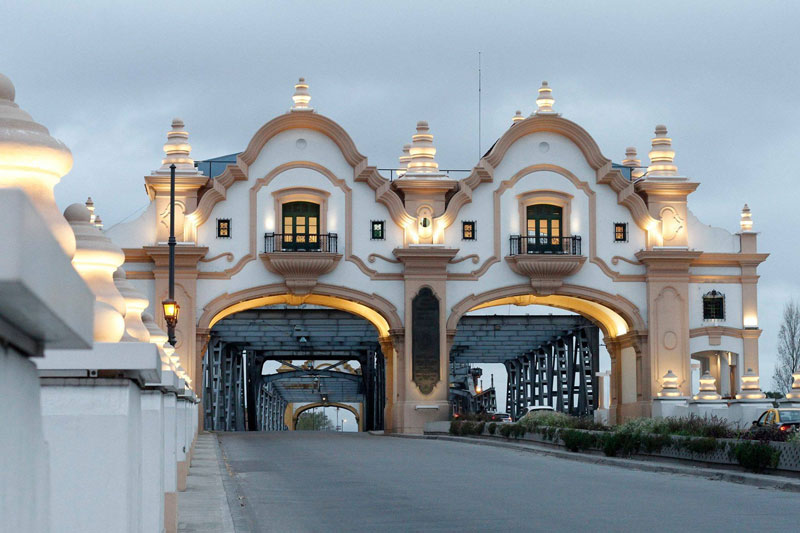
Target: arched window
[713, 306]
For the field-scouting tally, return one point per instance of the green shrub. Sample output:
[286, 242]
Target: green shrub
[536, 419]
[492, 428]
[756, 456]
[517, 430]
[468, 428]
[455, 427]
[576, 440]
[765, 434]
[617, 443]
[480, 428]
[655, 443]
[701, 445]
[505, 430]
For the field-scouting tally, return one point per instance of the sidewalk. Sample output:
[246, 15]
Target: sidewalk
[204, 505]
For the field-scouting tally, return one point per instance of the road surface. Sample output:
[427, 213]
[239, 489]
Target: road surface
[315, 481]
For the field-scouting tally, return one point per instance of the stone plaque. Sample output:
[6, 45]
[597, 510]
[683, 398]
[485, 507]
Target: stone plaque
[425, 340]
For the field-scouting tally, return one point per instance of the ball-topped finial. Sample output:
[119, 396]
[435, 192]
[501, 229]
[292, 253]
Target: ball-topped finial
[7, 91]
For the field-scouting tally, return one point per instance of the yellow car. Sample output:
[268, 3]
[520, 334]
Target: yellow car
[784, 418]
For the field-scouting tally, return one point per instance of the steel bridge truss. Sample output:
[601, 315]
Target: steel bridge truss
[238, 398]
[561, 374]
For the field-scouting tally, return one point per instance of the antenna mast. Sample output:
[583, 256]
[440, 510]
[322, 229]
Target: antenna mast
[479, 106]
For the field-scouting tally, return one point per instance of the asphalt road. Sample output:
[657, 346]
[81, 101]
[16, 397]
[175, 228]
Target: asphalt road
[311, 481]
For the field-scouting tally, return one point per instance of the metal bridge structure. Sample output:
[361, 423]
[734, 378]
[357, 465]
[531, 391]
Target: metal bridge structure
[315, 347]
[551, 360]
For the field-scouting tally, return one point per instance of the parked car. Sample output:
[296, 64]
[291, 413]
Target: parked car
[784, 418]
[501, 417]
[535, 408]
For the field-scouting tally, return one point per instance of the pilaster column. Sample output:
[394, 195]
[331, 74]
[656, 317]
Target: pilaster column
[424, 377]
[668, 315]
[186, 259]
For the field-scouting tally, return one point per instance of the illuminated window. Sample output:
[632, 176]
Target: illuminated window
[713, 306]
[620, 232]
[377, 231]
[468, 230]
[223, 228]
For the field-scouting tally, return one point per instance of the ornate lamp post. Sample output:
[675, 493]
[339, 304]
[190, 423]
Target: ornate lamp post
[170, 306]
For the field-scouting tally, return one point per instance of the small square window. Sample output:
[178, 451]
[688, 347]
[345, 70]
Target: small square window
[620, 232]
[223, 228]
[713, 306]
[377, 232]
[468, 232]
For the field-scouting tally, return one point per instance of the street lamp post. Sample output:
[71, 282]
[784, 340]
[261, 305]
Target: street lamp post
[170, 306]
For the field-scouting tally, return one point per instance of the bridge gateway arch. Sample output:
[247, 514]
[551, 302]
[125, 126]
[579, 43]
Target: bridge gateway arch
[299, 217]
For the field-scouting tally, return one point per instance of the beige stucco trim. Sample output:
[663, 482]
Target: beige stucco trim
[301, 194]
[546, 197]
[614, 314]
[552, 124]
[379, 311]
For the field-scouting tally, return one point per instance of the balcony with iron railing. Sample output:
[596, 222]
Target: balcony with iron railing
[544, 244]
[300, 258]
[545, 260]
[288, 242]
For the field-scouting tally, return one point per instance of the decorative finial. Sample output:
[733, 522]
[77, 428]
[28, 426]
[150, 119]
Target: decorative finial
[32, 160]
[545, 100]
[135, 304]
[404, 159]
[794, 394]
[422, 151]
[746, 220]
[662, 156]
[517, 117]
[98, 222]
[178, 150]
[708, 388]
[96, 259]
[90, 206]
[301, 96]
[669, 387]
[633, 162]
[751, 390]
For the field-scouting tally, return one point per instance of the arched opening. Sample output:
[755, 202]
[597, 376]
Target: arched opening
[623, 338]
[303, 408]
[313, 336]
[721, 365]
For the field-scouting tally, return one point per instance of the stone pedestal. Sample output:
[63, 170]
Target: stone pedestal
[43, 304]
[153, 460]
[92, 416]
[744, 412]
[170, 462]
[94, 429]
[663, 408]
[708, 408]
[181, 442]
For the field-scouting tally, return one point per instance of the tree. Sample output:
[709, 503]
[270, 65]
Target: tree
[314, 420]
[788, 347]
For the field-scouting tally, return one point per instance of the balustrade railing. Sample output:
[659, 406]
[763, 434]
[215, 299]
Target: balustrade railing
[544, 244]
[288, 242]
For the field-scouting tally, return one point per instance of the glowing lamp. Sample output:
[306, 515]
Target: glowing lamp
[171, 311]
[669, 387]
[478, 389]
[708, 388]
[750, 322]
[751, 390]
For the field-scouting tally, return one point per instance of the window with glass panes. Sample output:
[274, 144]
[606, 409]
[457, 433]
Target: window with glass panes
[377, 230]
[713, 306]
[468, 230]
[300, 226]
[544, 228]
[620, 232]
[223, 228]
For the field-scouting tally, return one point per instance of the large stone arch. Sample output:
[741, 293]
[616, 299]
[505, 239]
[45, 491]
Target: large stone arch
[624, 330]
[376, 309]
[300, 410]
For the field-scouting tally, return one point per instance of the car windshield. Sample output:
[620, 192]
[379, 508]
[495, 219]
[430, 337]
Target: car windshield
[790, 416]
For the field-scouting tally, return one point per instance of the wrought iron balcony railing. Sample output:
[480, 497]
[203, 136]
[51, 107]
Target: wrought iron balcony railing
[531, 244]
[287, 242]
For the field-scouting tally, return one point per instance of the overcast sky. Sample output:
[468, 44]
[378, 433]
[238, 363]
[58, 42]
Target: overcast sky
[107, 78]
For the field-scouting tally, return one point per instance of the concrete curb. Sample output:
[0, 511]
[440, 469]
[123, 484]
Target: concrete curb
[741, 478]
